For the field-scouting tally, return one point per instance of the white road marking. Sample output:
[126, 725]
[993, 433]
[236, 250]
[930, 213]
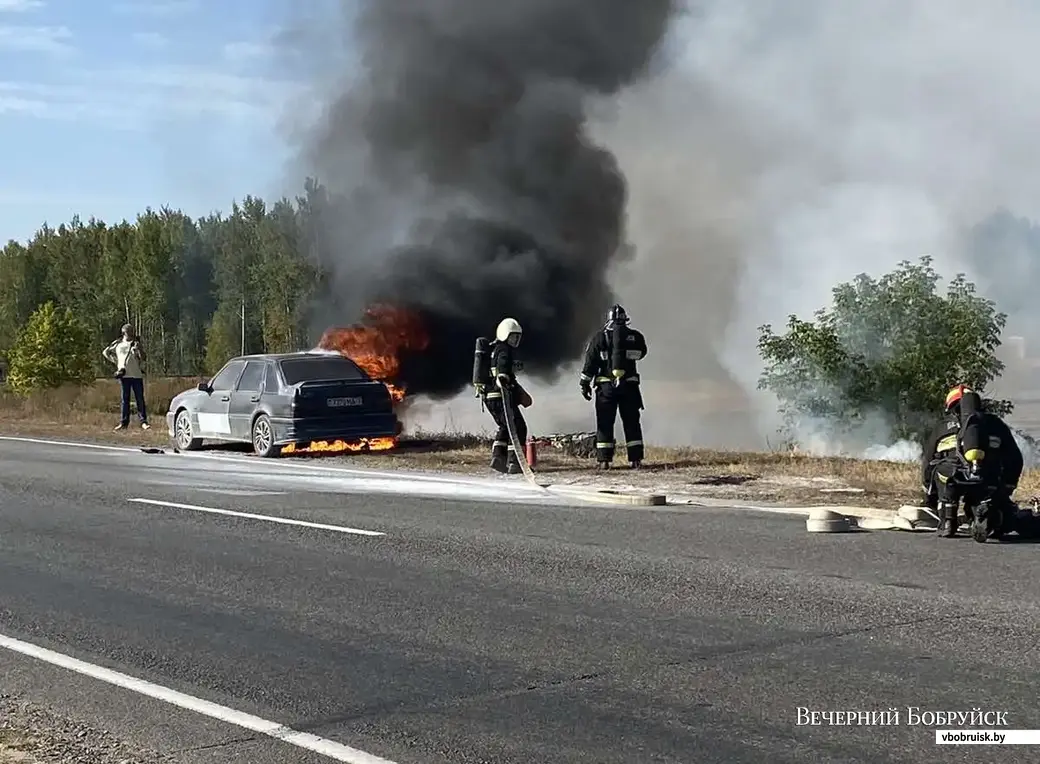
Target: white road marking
[251, 516]
[328, 748]
[42, 441]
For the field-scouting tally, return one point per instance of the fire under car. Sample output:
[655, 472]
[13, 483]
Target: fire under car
[278, 400]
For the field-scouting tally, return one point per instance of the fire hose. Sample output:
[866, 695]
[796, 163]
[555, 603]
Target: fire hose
[521, 455]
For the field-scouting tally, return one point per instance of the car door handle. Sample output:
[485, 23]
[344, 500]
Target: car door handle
[255, 399]
[225, 397]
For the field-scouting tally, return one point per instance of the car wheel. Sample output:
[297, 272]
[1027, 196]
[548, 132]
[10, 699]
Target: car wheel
[183, 435]
[263, 437]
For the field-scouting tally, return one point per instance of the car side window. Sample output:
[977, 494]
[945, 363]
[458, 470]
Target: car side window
[270, 378]
[225, 379]
[252, 377]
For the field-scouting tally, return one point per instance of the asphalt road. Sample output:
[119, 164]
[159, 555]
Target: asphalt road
[477, 631]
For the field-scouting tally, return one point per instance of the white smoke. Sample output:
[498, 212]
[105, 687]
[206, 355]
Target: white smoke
[792, 145]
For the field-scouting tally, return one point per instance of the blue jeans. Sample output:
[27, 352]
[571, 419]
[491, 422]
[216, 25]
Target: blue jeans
[135, 385]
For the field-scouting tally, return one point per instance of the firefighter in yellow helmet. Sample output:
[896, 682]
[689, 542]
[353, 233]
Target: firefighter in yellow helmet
[971, 454]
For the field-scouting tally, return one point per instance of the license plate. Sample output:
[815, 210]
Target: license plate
[338, 403]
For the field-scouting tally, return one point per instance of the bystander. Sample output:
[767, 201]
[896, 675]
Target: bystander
[128, 356]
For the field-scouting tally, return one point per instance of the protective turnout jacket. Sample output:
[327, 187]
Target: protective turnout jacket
[599, 362]
[504, 366]
[1002, 459]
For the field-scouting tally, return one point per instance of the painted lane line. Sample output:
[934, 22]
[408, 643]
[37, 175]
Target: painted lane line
[67, 443]
[328, 748]
[251, 516]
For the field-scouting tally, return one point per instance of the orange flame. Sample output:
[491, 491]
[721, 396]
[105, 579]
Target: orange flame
[377, 343]
[339, 446]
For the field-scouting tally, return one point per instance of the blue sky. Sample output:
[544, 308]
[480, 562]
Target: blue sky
[110, 106]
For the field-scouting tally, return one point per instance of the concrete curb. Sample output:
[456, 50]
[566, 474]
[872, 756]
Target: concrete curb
[609, 496]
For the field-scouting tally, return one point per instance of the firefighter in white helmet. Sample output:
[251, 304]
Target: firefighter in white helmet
[501, 377]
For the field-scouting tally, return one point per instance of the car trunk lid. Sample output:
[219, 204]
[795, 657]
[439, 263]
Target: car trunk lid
[341, 397]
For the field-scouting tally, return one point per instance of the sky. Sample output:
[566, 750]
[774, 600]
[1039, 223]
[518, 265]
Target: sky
[111, 106]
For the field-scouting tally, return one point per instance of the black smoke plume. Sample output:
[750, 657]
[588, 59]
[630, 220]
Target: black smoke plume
[468, 188]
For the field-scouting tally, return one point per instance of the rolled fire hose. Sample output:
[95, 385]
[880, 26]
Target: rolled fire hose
[521, 455]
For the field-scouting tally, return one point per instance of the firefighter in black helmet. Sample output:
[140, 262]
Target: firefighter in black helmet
[610, 367]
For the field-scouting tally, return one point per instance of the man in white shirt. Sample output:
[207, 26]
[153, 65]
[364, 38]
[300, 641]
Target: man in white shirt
[127, 354]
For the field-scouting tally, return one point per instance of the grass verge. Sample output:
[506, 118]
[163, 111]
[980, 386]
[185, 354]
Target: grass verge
[91, 412]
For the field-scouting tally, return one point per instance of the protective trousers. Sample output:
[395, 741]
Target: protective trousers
[503, 455]
[948, 492]
[625, 399]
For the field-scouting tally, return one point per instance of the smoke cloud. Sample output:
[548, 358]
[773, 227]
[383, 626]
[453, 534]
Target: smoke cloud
[467, 188]
[796, 144]
[540, 158]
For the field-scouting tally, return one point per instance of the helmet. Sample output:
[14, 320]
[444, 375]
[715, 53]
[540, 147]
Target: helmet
[617, 315]
[954, 396]
[509, 330]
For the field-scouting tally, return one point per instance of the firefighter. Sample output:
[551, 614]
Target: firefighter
[610, 366]
[495, 366]
[971, 452]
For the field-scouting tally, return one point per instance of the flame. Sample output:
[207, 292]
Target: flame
[339, 446]
[377, 342]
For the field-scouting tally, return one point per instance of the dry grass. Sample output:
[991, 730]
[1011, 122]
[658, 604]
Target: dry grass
[91, 412]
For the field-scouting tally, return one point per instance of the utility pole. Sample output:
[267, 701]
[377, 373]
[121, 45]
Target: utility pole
[243, 350]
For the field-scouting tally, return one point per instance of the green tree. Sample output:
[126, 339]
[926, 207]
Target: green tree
[52, 350]
[892, 346]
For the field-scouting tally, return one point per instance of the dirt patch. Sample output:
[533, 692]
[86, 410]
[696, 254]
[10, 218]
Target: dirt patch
[33, 734]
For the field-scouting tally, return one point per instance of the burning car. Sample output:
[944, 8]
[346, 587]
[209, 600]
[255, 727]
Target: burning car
[286, 403]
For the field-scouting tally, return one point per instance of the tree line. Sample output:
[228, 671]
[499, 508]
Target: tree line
[184, 284]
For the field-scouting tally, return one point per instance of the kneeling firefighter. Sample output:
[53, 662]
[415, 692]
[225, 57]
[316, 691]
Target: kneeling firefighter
[494, 378]
[970, 455]
[610, 365]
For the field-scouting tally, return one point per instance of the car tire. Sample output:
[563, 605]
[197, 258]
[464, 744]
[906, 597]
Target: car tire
[183, 434]
[262, 436]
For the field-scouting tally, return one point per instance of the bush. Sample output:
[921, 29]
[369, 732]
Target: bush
[892, 346]
[53, 349]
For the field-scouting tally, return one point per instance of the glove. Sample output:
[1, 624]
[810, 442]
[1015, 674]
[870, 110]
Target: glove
[586, 389]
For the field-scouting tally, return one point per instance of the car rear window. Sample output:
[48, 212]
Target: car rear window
[320, 369]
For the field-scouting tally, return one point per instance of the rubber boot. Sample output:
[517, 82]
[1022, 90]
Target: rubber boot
[514, 466]
[603, 465]
[498, 464]
[636, 465]
[947, 520]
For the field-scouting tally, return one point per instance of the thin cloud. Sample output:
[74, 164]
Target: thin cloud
[247, 51]
[157, 7]
[153, 40]
[27, 39]
[130, 98]
[21, 6]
